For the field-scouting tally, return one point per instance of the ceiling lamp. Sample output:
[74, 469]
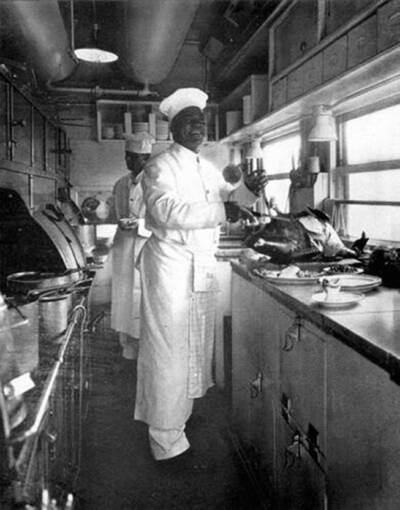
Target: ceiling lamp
[324, 129]
[93, 53]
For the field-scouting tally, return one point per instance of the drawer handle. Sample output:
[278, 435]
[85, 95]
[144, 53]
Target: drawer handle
[294, 451]
[394, 18]
[292, 335]
[256, 385]
[303, 46]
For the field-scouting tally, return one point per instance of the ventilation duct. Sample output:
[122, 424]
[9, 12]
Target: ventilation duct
[154, 34]
[41, 30]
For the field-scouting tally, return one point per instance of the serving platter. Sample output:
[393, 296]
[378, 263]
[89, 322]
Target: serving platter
[339, 300]
[274, 277]
[354, 282]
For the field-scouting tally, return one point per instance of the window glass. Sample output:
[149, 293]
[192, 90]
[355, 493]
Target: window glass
[279, 191]
[282, 155]
[378, 222]
[383, 185]
[373, 137]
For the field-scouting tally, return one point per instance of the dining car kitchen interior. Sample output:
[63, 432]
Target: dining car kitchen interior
[199, 254]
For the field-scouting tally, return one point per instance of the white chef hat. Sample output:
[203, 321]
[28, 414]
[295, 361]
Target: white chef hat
[139, 142]
[183, 98]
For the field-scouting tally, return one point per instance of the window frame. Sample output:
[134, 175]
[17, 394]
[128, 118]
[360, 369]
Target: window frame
[339, 175]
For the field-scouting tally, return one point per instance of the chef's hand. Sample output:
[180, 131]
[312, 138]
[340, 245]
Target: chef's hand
[234, 212]
[256, 181]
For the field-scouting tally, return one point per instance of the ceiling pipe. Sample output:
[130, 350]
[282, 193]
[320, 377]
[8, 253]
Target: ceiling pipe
[42, 32]
[153, 36]
[98, 91]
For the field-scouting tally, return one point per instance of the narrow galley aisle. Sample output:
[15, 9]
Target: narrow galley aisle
[118, 472]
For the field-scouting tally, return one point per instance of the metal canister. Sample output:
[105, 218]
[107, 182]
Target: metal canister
[54, 310]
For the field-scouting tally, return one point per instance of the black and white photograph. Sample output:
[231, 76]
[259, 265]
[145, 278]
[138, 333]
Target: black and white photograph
[199, 254]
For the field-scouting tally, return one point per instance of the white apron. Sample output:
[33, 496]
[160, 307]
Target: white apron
[127, 244]
[177, 336]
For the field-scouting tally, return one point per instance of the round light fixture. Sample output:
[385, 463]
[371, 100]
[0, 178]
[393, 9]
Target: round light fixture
[96, 55]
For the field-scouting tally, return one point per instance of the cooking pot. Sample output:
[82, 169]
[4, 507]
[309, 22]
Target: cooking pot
[31, 282]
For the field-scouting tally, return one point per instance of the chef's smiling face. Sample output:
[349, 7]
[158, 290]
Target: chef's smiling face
[189, 128]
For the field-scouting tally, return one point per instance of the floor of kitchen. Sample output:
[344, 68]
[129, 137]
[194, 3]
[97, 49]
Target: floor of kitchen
[118, 471]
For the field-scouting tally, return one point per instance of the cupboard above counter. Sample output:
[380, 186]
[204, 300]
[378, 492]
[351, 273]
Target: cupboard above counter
[348, 49]
[117, 119]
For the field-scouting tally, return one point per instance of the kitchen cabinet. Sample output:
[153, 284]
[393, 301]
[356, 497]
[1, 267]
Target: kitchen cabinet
[335, 59]
[291, 38]
[363, 444]
[51, 148]
[39, 137]
[250, 98]
[115, 119]
[362, 41]
[21, 129]
[255, 377]
[388, 25]
[317, 419]
[339, 12]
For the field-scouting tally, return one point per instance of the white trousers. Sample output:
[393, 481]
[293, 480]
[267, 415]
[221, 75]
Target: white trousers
[165, 444]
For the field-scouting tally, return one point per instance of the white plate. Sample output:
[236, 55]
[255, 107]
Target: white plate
[272, 276]
[355, 282]
[339, 300]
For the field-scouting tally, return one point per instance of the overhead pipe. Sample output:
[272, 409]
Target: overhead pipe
[41, 29]
[155, 31]
[98, 91]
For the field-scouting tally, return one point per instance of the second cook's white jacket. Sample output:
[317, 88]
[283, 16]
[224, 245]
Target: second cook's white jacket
[127, 244]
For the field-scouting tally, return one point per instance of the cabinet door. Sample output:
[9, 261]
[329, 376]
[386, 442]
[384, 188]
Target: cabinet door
[51, 148]
[21, 129]
[301, 482]
[292, 38]
[335, 59]
[255, 375]
[278, 94]
[303, 376]
[39, 135]
[339, 12]
[388, 25]
[362, 41]
[4, 121]
[363, 442]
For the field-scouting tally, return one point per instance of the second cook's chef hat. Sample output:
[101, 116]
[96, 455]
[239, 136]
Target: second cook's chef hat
[139, 142]
[183, 98]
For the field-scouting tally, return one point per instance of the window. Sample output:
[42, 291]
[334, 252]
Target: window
[280, 157]
[367, 183]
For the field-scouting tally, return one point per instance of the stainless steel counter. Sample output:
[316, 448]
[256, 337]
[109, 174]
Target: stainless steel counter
[371, 327]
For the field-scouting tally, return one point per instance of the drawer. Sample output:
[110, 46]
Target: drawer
[278, 94]
[388, 25]
[312, 70]
[334, 59]
[362, 41]
[295, 83]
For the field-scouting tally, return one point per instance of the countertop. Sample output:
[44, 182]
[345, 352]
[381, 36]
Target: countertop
[371, 327]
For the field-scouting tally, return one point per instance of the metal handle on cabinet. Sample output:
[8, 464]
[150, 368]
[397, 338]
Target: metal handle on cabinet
[294, 451]
[256, 385]
[20, 123]
[292, 335]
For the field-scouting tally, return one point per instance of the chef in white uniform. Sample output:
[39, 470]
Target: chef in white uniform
[186, 200]
[128, 241]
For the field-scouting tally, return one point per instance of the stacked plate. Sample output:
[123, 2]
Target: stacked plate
[352, 287]
[355, 282]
